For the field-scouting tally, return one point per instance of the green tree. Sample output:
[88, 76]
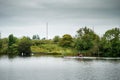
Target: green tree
[12, 46]
[4, 46]
[35, 37]
[0, 43]
[24, 46]
[87, 41]
[13, 50]
[66, 41]
[0, 46]
[56, 39]
[12, 39]
[110, 43]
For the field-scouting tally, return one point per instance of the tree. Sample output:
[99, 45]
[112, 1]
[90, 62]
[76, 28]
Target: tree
[66, 41]
[35, 37]
[56, 39]
[87, 40]
[110, 43]
[13, 50]
[4, 46]
[11, 39]
[12, 46]
[0, 43]
[24, 46]
[84, 43]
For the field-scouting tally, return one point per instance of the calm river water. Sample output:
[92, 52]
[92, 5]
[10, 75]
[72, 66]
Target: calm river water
[56, 68]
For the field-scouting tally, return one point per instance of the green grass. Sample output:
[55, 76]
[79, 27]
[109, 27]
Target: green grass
[53, 49]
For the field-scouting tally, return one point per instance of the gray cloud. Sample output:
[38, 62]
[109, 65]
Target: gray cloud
[66, 12]
[75, 7]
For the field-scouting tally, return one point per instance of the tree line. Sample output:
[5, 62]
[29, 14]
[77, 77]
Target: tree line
[85, 42]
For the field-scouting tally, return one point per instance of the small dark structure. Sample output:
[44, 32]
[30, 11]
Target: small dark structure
[80, 55]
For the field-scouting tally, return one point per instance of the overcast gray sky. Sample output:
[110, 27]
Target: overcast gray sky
[29, 17]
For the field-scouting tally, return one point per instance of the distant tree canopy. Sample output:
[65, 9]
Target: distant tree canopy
[19, 46]
[66, 41]
[110, 43]
[86, 40]
[24, 46]
[56, 39]
[12, 39]
[35, 37]
[3, 46]
[12, 46]
[0, 43]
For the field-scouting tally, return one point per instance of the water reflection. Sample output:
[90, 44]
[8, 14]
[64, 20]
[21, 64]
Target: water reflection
[57, 68]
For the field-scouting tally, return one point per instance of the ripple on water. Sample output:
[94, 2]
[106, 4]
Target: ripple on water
[52, 68]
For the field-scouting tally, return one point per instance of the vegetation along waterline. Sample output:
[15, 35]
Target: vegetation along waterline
[85, 42]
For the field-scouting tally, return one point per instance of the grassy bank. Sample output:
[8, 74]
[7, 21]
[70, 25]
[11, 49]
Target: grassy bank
[53, 49]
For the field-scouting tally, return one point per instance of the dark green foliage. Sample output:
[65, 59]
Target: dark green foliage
[87, 40]
[12, 46]
[84, 39]
[0, 46]
[56, 39]
[4, 46]
[66, 41]
[12, 40]
[13, 50]
[36, 37]
[24, 46]
[0, 43]
[110, 43]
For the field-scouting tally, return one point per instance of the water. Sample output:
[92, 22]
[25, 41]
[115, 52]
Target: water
[54, 68]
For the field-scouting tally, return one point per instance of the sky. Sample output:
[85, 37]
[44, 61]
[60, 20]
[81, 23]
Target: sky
[29, 17]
